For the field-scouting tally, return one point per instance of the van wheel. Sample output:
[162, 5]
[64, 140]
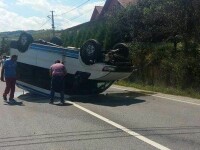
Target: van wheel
[91, 52]
[123, 49]
[24, 41]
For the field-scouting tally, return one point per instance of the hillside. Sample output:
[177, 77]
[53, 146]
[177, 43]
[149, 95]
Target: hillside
[13, 35]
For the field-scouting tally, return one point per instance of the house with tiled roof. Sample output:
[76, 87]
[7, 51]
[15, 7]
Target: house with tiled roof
[110, 7]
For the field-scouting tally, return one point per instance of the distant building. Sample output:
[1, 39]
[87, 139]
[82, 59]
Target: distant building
[110, 7]
[96, 12]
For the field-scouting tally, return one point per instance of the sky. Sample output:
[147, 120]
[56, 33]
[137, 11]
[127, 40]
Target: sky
[36, 14]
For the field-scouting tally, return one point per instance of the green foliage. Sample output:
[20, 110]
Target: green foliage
[42, 34]
[163, 36]
[78, 35]
[159, 88]
[4, 46]
[158, 64]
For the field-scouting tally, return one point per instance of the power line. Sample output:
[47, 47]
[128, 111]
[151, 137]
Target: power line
[74, 18]
[61, 14]
[71, 19]
[45, 22]
[70, 11]
[74, 8]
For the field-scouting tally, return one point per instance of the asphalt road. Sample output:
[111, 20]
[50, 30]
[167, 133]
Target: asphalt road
[119, 119]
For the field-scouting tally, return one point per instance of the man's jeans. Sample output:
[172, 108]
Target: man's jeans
[53, 93]
[10, 87]
[57, 85]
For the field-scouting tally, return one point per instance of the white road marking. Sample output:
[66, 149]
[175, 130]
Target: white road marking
[172, 99]
[136, 135]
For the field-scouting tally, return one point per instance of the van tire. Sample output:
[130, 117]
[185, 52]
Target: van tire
[90, 52]
[24, 41]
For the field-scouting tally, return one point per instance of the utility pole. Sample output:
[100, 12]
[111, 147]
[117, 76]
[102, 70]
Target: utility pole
[53, 27]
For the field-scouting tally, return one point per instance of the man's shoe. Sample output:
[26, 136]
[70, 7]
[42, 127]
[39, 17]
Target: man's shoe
[51, 101]
[4, 98]
[62, 103]
[12, 100]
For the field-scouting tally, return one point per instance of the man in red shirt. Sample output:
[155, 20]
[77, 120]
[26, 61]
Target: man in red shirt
[57, 72]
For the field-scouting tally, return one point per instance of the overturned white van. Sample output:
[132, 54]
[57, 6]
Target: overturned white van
[90, 70]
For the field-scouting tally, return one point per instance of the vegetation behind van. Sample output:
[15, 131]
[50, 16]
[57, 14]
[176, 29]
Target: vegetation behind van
[163, 36]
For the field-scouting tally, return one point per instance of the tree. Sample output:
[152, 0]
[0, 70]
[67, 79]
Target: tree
[4, 46]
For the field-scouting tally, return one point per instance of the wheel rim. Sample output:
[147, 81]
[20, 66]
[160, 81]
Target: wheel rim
[90, 50]
[23, 40]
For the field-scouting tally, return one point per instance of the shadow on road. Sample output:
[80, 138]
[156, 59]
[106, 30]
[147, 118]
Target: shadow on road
[111, 99]
[14, 103]
[29, 97]
[108, 99]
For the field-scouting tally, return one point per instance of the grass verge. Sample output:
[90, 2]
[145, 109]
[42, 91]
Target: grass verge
[156, 88]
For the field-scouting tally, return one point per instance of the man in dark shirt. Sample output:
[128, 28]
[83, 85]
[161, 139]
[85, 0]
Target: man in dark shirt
[9, 73]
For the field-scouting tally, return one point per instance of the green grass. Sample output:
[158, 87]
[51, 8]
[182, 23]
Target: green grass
[156, 88]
